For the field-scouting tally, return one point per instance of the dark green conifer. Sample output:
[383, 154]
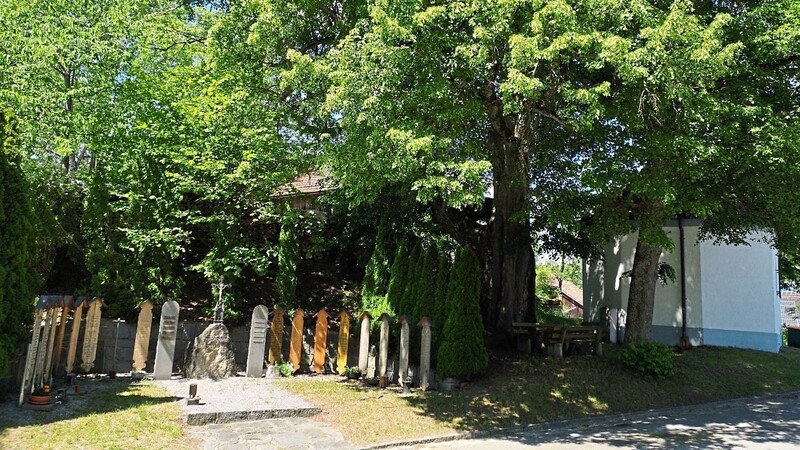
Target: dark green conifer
[409, 297]
[463, 352]
[18, 277]
[376, 276]
[398, 277]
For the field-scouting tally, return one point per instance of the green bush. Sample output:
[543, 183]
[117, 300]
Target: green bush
[653, 360]
[462, 351]
[288, 257]
[18, 277]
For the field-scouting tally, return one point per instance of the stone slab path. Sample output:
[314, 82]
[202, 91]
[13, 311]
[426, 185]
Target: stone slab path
[237, 399]
[294, 433]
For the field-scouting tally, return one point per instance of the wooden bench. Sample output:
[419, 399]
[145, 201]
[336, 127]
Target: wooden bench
[556, 337]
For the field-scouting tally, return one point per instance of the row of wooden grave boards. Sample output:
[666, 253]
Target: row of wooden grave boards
[47, 342]
[53, 314]
[261, 327]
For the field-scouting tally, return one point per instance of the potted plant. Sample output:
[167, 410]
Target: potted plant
[352, 372]
[40, 396]
[137, 374]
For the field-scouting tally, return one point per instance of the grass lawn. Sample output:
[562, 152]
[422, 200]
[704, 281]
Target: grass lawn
[108, 415]
[523, 391]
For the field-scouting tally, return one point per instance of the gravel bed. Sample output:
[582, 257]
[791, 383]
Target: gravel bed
[237, 399]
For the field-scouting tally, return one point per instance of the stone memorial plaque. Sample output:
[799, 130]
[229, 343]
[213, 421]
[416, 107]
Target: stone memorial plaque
[73, 336]
[165, 347]
[91, 335]
[276, 336]
[41, 352]
[425, 354]
[404, 343]
[51, 343]
[296, 344]
[344, 342]
[62, 328]
[383, 356]
[320, 340]
[258, 342]
[363, 344]
[141, 344]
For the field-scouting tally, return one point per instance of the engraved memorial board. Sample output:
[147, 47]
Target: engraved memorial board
[383, 356]
[62, 328]
[91, 335]
[42, 350]
[51, 342]
[167, 333]
[258, 342]
[363, 344]
[425, 354]
[296, 344]
[344, 342]
[73, 336]
[276, 336]
[404, 343]
[320, 340]
[141, 345]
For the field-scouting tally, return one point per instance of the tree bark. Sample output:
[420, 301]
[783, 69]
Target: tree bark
[641, 299]
[512, 270]
[511, 289]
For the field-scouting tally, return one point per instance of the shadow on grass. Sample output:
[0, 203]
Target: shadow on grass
[520, 392]
[765, 424]
[97, 397]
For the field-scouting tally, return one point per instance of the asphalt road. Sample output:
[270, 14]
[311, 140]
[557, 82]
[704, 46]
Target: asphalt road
[762, 423]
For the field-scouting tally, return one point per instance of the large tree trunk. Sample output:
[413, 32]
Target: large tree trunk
[512, 269]
[512, 263]
[642, 290]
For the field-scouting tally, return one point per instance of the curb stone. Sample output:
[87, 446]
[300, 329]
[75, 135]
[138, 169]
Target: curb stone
[617, 420]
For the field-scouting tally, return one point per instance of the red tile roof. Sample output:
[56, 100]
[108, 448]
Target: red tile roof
[310, 184]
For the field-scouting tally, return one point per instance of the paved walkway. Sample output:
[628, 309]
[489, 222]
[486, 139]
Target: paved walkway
[762, 423]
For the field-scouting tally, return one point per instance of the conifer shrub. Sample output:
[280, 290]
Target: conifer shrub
[18, 277]
[288, 256]
[398, 278]
[462, 351]
[376, 276]
[439, 306]
[409, 296]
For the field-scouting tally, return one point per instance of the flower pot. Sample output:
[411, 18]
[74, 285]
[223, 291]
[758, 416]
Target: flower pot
[38, 399]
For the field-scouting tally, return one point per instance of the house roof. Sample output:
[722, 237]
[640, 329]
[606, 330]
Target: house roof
[572, 292]
[307, 184]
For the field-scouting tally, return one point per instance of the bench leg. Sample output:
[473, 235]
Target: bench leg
[556, 350]
[524, 344]
[598, 348]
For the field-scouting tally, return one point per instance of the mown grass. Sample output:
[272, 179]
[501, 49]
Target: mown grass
[517, 392]
[112, 416]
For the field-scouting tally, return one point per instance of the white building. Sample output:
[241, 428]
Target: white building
[731, 291]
